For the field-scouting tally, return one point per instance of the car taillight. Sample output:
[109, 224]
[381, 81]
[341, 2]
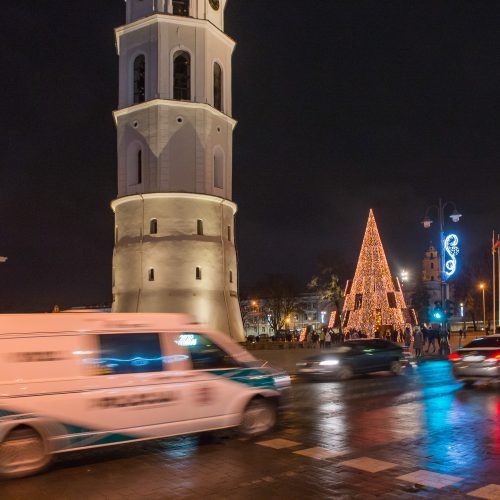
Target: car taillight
[495, 355]
[454, 356]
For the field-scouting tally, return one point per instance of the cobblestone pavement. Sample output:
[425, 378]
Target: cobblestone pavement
[416, 436]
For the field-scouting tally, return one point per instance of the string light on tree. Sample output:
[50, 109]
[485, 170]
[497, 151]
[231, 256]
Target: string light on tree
[374, 299]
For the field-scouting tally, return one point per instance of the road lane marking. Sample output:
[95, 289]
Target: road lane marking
[432, 479]
[278, 444]
[368, 464]
[320, 453]
[490, 492]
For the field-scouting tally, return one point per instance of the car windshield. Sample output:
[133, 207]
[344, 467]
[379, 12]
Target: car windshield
[484, 342]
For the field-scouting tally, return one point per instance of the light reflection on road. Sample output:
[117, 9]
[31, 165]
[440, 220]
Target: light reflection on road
[447, 427]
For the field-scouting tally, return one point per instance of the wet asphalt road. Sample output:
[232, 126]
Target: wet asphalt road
[420, 435]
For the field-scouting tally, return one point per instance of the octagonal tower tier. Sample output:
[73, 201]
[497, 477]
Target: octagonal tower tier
[174, 221]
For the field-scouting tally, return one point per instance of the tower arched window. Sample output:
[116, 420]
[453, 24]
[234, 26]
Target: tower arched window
[139, 79]
[134, 164]
[180, 7]
[139, 166]
[153, 226]
[182, 76]
[217, 86]
[219, 169]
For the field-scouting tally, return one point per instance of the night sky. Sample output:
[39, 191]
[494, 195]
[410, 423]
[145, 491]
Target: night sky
[341, 105]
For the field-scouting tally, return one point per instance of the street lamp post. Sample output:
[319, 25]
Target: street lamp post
[426, 222]
[482, 287]
[256, 316]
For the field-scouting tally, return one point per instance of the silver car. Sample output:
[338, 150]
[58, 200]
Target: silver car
[478, 360]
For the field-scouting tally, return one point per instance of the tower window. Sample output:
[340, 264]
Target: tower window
[153, 226]
[432, 255]
[116, 234]
[151, 275]
[198, 273]
[134, 163]
[139, 166]
[199, 227]
[180, 7]
[139, 79]
[219, 169]
[230, 276]
[432, 265]
[217, 86]
[432, 278]
[229, 233]
[182, 76]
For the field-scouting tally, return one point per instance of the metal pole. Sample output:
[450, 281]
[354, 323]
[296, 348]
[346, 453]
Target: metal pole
[493, 250]
[443, 259]
[484, 310]
[497, 248]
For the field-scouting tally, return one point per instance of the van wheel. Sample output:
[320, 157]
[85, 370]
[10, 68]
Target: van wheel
[396, 368]
[23, 453]
[259, 417]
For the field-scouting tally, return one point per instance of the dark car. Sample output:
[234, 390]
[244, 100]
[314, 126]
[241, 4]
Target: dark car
[478, 361]
[353, 357]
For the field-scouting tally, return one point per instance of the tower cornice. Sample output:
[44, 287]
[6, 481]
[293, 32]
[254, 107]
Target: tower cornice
[193, 196]
[174, 104]
[176, 21]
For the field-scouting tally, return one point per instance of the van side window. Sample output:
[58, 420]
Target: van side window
[129, 353]
[204, 353]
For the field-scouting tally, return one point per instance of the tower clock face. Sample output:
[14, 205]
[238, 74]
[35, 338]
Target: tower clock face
[215, 4]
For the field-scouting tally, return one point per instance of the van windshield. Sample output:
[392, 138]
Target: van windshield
[205, 353]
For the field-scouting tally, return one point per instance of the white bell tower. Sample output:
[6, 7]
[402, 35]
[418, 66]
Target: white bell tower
[174, 218]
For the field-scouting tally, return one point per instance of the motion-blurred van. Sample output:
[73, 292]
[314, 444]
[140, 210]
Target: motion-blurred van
[82, 380]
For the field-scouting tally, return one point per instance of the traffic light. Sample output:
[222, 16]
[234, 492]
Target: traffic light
[437, 314]
[449, 308]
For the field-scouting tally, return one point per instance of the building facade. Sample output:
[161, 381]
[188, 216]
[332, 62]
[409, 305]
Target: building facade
[174, 215]
[314, 313]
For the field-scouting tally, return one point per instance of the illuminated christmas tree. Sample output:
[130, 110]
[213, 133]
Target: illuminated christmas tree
[374, 300]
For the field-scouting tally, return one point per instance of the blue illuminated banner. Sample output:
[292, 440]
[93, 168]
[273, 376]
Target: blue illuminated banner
[451, 250]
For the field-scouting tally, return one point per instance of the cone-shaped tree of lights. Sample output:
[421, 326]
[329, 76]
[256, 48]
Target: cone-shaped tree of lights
[373, 299]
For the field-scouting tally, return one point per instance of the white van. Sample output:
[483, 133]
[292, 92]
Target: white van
[72, 381]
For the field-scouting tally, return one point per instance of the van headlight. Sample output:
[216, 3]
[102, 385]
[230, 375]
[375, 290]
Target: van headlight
[281, 381]
[329, 362]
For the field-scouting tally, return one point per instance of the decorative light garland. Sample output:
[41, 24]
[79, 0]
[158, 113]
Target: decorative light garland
[451, 248]
[373, 291]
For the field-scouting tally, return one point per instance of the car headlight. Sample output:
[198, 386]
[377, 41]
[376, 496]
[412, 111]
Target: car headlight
[281, 381]
[329, 362]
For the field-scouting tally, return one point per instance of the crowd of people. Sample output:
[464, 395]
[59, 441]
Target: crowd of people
[423, 339]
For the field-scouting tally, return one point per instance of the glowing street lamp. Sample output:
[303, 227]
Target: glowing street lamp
[404, 276]
[482, 287]
[3, 259]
